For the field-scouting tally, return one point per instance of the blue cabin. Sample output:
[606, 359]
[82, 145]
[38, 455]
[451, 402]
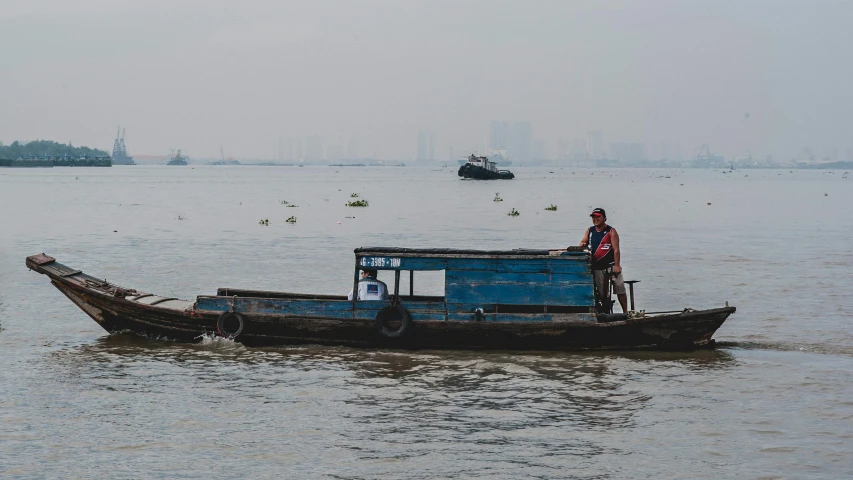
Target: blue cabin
[479, 285]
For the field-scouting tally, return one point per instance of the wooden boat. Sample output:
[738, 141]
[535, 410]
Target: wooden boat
[512, 299]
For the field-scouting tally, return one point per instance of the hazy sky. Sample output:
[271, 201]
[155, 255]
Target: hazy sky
[199, 74]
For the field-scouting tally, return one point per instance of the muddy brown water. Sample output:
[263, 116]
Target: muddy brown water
[774, 400]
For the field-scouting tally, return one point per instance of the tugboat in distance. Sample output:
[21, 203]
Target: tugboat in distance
[177, 159]
[480, 168]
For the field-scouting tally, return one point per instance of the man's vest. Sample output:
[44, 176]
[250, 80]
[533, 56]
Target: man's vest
[601, 248]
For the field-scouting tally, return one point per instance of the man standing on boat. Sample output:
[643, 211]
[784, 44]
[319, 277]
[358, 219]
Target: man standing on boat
[603, 242]
[369, 288]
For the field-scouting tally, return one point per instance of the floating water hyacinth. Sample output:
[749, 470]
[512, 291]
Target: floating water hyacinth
[265, 221]
[284, 202]
[353, 195]
[291, 220]
[551, 208]
[513, 212]
[358, 203]
[498, 198]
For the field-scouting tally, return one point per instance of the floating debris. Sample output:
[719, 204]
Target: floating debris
[358, 203]
[265, 222]
[709, 203]
[513, 213]
[291, 220]
[498, 198]
[284, 202]
[181, 217]
[349, 216]
[551, 208]
[825, 194]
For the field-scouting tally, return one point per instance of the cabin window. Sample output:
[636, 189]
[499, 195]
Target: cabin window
[426, 282]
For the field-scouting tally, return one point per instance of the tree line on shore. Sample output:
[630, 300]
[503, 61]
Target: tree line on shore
[47, 148]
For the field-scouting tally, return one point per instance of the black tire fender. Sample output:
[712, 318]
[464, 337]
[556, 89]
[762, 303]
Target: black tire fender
[221, 324]
[397, 312]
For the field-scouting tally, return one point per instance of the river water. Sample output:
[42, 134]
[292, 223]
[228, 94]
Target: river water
[774, 400]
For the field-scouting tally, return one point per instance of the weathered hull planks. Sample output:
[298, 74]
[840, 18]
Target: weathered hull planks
[673, 331]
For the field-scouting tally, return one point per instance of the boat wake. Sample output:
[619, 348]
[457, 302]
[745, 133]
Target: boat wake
[216, 342]
[789, 347]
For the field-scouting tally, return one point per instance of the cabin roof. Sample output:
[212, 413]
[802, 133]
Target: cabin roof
[364, 251]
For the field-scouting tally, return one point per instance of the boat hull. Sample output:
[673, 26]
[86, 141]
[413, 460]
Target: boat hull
[479, 173]
[118, 309]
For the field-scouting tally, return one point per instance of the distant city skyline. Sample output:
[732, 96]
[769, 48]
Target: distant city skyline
[751, 78]
[507, 139]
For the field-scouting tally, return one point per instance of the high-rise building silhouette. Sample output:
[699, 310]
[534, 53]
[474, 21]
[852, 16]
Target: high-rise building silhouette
[520, 146]
[426, 146]
[499, 132]
[594, 145]
[513, 140]
[313, 149]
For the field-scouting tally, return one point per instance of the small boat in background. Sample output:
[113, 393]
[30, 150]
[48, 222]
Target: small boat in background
[480, 168]
[177, 159]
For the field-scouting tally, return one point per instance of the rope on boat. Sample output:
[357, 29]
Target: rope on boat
[643, 313]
